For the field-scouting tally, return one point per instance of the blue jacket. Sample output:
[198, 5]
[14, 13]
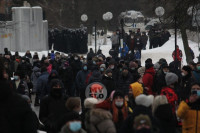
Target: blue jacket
[196, 75]
[41, 86]
[124, 51]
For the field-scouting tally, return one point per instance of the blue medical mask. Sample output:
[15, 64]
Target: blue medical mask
[16, 77]
[94, 62]
[85, 68]
[75, 126]
[102, 69]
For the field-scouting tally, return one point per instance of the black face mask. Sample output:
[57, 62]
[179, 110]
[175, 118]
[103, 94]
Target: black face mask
[143, 130]
[56, 93]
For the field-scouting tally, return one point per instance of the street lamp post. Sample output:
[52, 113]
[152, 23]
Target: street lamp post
[95, 35]
[160, 11]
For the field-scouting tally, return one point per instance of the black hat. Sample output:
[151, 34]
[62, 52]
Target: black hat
[164, 65]
[118, 93]
[187, 69]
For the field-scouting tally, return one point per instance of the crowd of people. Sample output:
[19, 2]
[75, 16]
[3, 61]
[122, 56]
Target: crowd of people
[155, 98]
[137, 41]
[68, 40]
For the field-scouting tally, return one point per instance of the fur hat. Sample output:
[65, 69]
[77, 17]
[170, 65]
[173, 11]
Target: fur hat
[141, 70]
[90, 102]
[171, 78]
[142, 119]
[144, 100]
[103, 65]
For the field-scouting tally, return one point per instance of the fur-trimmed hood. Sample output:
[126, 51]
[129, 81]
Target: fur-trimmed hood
[98, 115]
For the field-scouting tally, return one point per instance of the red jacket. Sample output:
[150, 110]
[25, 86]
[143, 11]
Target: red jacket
[171, 97]
[148, 79]
[178, 54]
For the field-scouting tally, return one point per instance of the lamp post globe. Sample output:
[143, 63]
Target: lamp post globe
[160, 11]
[84, 18]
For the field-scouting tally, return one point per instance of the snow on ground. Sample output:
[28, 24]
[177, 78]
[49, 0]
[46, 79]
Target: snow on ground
[162, 52]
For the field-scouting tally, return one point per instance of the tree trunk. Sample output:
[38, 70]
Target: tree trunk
[186, 45]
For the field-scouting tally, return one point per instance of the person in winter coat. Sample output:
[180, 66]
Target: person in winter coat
[115, 41]
[96, 77]
[196, 73]
[73, 105]
[73, 124]
[124, 51]
[143, 104]
[24, 67]
[89, 104]
[125, 79]
[144, 39]
[81, 81]
[15, 113]
[178, 56]
[148, 77]
[160, 78]
[190, 112]
[41, 87]
[67, 76]
[186, 82]
[52, 107]
[34, 76]
[108, 82]
[169, 91]
[101, 121]
[142, 124]
[91, 54]
[162, 111]
[20, 85]
[119, 109]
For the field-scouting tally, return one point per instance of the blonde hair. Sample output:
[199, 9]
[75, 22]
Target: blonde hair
[159, 100]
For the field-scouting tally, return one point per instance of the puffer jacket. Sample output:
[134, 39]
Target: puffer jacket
[148, 79]
[190, 114]
[101, 122]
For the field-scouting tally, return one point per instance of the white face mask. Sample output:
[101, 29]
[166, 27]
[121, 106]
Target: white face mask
[165, 72]
[119, 104]
[76, 58]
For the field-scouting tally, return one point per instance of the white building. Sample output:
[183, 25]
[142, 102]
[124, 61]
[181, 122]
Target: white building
[26, 31]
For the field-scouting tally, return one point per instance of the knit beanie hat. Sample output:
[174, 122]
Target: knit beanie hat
[156, 66]
[187, 69]
[142, 119]
[171, 78]
[149, 60]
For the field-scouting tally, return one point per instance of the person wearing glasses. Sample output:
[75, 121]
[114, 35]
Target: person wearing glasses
[190, 112]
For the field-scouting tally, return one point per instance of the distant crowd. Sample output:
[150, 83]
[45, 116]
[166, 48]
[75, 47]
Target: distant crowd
[155, 98]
